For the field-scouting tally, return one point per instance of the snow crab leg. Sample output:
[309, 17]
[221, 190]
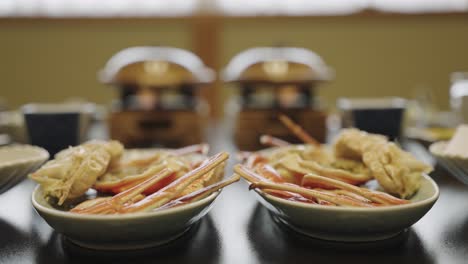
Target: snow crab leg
[202, 148]
[298, 131]
[117, 204]
[316, 195]
[273, 141]
[314, 181]
[201, 193]
[130, 181]
[281, 189]
[108, 205]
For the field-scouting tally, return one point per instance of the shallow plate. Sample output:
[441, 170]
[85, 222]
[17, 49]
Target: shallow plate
[352, 224]
[17, 161]
[122, 232]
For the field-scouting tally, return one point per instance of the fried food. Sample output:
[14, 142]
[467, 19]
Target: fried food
[140, 180]
[314, 173]
[75, 170]
[397, 171]
[352, 143]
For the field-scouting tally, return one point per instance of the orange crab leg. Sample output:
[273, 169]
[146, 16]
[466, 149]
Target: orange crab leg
[273, 141]
[270, 173]
[198, 148]
[201, 193]
[267, 173]
[128, 182]
[260, 182]
[298, 131]
[337, 174]
[313, 180]
[171, 191]
[254, 159]
[308, 193]
[114, 204]
[289, 196]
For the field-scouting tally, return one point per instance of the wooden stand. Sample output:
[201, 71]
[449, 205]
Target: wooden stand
[162, 128]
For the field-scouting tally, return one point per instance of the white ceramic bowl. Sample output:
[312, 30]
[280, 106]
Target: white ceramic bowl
[457, 166]
[17, 161]
[352, 224]
[122, 232]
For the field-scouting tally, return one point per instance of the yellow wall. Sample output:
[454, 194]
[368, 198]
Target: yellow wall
[372, 55]
[47, 60]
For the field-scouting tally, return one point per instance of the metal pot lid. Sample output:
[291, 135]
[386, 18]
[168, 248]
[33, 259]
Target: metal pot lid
[277, 65]
[155, 67]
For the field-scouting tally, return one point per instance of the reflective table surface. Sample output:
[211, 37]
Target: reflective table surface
[239, 230]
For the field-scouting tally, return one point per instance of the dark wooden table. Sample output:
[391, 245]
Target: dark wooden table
[239, 230]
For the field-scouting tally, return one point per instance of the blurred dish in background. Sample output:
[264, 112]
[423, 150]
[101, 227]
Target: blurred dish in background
[17, 161]
[453, 154]
[159, 100]
[374, 115]
[459, 95]
[273, 80]
[12, 127]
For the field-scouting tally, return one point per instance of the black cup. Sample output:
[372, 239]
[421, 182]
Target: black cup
[375, 115]
[54, 127]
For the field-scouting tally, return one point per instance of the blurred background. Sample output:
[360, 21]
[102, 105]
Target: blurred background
[53, 50]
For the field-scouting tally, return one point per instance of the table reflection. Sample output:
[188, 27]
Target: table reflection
[273, 242]
[190, 248]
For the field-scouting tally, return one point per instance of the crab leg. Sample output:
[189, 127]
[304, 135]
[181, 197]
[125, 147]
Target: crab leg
[289, 196]
[171, 191]
[343, 175]
[118, 186]
[308, 193]
[243, 155]
[268, 172]
[201, 193]
[254, 159]
[273, 141]
[110, 205]
[298, 131]
[198, 148]
[255, 178]
[312, 180]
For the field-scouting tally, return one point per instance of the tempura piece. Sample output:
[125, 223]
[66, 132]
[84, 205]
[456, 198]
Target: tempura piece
[352, 143]
[397, 171]
[75, 170]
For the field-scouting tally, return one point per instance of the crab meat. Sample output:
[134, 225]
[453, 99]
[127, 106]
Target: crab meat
[132, 172]
[200, 193]
[120, 180]
[273, 141]
[120, 203]
[316, 181]
[328, 190]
